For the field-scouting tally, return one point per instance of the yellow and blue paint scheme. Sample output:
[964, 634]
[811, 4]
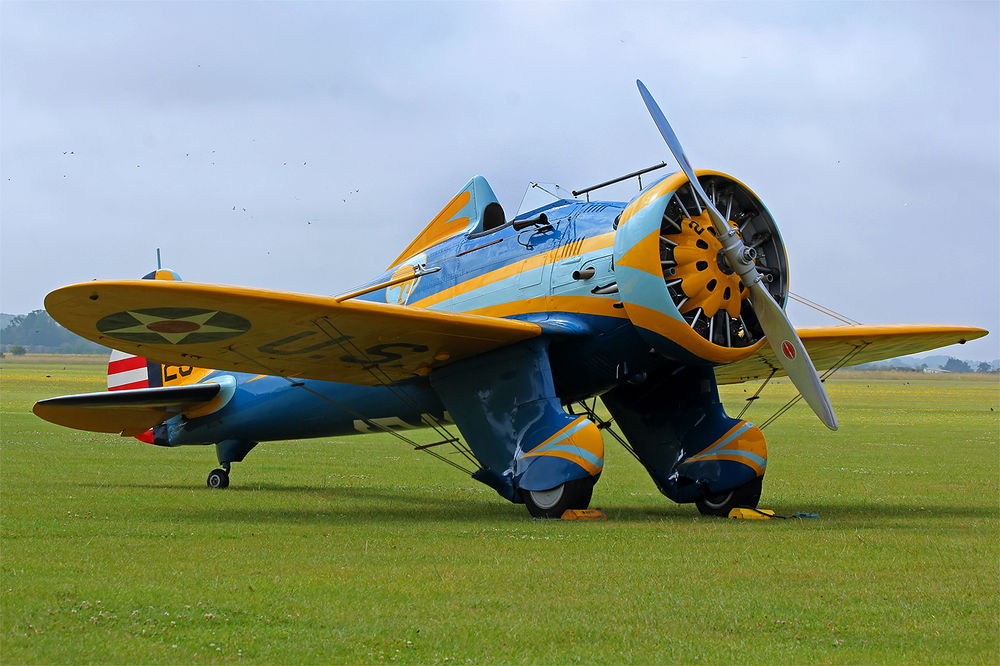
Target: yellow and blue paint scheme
[490, 323]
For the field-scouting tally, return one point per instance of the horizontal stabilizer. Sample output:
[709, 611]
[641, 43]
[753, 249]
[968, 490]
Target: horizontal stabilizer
[276, 333]
[129, 412]
[831, 346]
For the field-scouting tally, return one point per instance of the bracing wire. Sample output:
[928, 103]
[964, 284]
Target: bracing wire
[844, 360]
[380, 376]
[823, 309]
[836, 366]
[606, 425]
[356, 414]
[756, 395]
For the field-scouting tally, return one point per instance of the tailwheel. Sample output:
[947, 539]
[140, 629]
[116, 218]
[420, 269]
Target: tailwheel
[554, 502]
[747, 495]
[218, 478]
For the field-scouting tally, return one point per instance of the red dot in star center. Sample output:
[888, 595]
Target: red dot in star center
[173, 326]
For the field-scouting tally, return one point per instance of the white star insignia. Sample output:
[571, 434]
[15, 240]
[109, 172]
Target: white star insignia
[147, 324]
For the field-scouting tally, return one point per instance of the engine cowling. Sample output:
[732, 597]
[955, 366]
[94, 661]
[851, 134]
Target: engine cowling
[675, 282]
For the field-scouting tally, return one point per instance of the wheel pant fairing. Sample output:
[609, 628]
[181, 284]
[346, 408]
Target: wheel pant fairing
[679, 430]
[505, 405]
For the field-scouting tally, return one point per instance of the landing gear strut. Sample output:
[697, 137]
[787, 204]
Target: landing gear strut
[228, 451]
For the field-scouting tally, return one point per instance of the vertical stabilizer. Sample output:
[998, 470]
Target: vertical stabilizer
[128, 371]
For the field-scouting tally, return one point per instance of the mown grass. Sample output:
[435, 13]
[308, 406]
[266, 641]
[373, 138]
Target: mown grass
[361, 550]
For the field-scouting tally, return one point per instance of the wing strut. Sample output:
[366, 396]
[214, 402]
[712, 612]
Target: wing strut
[756, 394]
[845, 360]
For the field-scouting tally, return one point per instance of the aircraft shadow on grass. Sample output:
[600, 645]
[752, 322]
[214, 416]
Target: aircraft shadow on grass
[351, 504]
[369, 505]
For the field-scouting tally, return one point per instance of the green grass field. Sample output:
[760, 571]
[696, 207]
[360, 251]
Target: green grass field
[360, 550]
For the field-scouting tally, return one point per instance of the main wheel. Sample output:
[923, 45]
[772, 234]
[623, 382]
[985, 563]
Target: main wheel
[554, 502]
[218, 478]
[747, 495]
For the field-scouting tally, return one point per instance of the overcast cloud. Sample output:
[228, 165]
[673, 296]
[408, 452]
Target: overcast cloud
[301, 146]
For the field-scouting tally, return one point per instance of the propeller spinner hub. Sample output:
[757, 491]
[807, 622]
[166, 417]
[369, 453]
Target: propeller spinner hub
[723, 263]
[704, 281]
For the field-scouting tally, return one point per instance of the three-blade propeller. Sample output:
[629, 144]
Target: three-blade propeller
[780, 333]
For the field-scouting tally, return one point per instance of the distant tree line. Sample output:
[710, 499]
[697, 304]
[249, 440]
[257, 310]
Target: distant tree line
[951, 365]
[38, 332]
[954, 365]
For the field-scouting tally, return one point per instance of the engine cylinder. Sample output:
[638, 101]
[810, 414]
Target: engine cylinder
[676, 283]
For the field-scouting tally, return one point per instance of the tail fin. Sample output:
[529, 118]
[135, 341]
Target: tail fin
[127, 371]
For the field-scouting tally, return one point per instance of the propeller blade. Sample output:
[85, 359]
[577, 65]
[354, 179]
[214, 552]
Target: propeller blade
[780, 333]
[667, 132]
[791, 353]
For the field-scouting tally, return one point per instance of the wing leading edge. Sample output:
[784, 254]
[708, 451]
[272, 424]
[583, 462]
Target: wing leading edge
[830, 346]
[276, 333]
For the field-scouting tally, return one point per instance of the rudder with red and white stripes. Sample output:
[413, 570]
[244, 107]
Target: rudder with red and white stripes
[126, 371]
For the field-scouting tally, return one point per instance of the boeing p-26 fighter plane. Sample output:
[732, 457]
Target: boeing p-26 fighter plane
[499, 327]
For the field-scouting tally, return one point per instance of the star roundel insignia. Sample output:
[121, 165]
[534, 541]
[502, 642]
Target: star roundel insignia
[174, 326]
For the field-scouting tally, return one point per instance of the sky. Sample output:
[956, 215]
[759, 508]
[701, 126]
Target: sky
[301, 146]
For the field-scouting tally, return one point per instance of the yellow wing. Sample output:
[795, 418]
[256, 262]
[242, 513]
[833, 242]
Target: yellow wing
[850, 345]
[276, 333]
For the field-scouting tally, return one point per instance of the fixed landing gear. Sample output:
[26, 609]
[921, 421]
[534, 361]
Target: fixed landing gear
[228, 451]
[219, 478]
[747, 495]
[554, 502]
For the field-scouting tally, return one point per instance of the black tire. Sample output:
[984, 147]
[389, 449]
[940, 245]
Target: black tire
[553, 503]
[218, 478]
[747, 495]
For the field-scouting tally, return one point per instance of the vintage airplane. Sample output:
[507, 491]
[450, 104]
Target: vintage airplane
[499, 327]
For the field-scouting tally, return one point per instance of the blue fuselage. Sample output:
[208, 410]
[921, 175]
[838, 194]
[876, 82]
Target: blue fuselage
[526, 274]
